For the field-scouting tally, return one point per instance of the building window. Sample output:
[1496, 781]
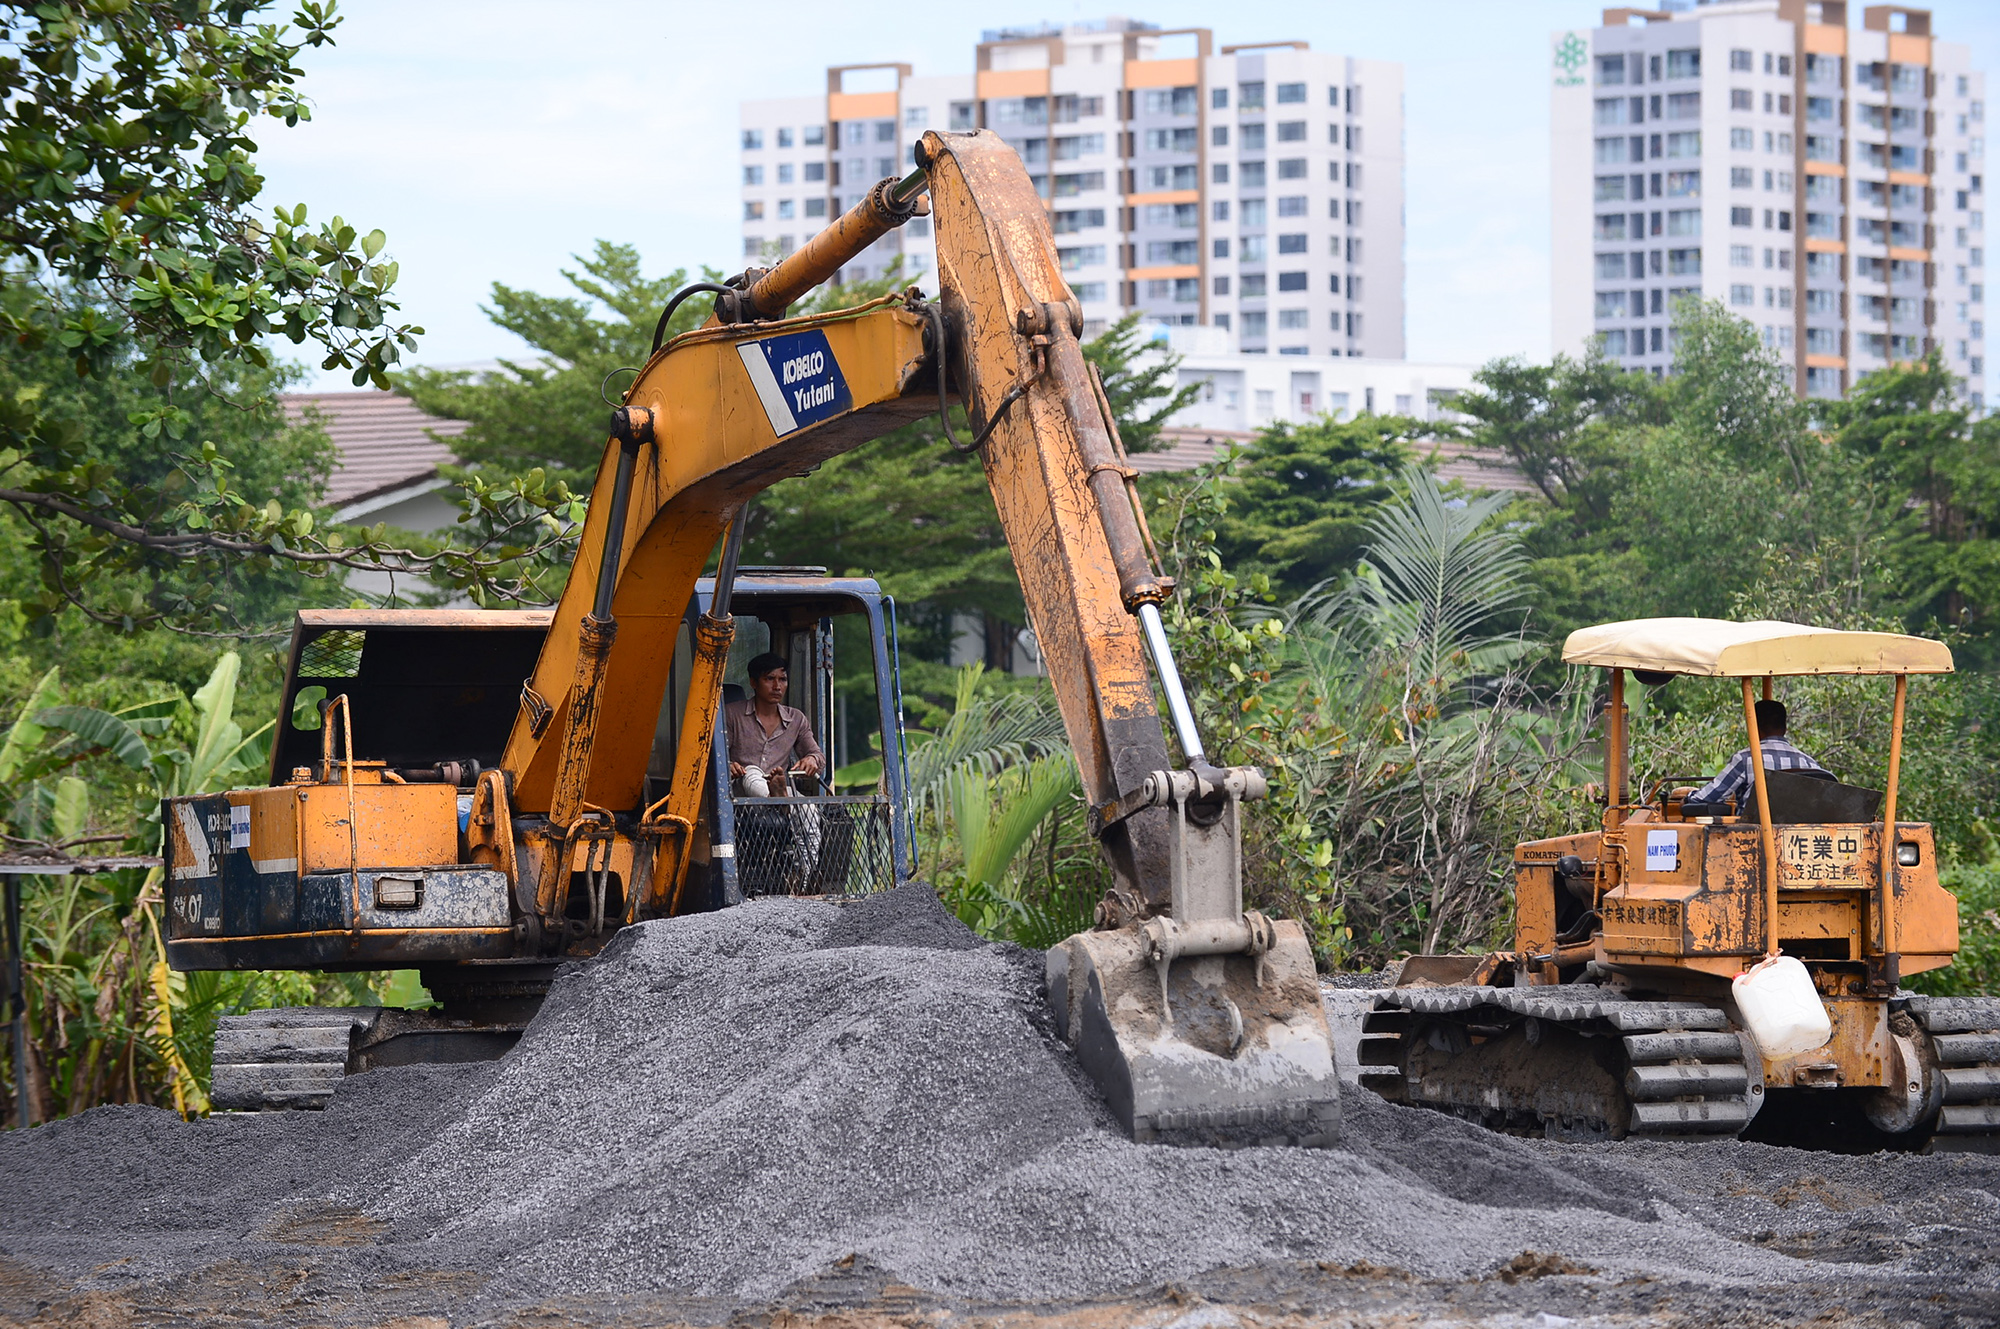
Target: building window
[1250, 249]
[1613, 342]
[1219, 173]
[1081, 256]
[1683, 184]
[1250, 138]
[1249, 97]
[1612, 151]
[1078, 219]
[1291, 131]
[815, 207]
[1292, 205]
[1611, 226]
[753, 139]
[1292, 244]
[1741, 217]
[1187, 290]
[1291, 92]
[1740, 100]
[1090, 292]
[1173, 252]
[1611, 304]
[1683, 222]
[1292, 168]
[1291, 319]
[1221, 287]
[1170, 101]
[753, 210]
[1220, 247]
[1068, 186]
[1256, 325]
[1687, 144]
[1251, 175]
[812, 172]
[1610, 70]
[1253, 212]
[1742, 140]
[813, 136]
[1172, 140]
[1742, 295]
[1610, 267]
[1219, 98]
[784, 210]
[753, 175]
[1684, 262]
[1291, 281]
[1739, 61]
[1251, 286]
[1684, 64]
[1218, 137]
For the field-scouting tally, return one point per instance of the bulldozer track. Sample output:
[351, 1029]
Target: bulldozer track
[1964, 1036]
[1561, 1063]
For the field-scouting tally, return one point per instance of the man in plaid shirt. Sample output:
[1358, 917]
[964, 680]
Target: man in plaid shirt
[1736, 778]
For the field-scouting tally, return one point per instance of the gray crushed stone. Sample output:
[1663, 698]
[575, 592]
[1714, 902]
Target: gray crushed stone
[728, 1105]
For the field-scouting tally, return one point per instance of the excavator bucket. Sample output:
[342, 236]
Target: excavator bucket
[1203, 1025]
[1235, 1050]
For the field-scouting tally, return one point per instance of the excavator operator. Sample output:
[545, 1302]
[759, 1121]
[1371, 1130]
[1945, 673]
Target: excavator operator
[769, 742]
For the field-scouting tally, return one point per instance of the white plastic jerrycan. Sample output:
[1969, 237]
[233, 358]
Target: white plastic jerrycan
[1781, 1007]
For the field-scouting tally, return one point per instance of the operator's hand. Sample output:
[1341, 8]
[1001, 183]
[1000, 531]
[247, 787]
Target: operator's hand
[810, 766]
[735, 770]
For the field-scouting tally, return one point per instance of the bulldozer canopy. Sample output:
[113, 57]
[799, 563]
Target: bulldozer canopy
[1712, 648]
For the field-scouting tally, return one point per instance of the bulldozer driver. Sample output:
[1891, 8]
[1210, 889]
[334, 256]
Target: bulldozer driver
[1734, 783]
[769, 742]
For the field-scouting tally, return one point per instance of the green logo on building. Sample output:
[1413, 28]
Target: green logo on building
[1571, 56]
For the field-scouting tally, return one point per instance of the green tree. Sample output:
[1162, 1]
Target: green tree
[1909, 426]
[1304, 495]
[548, 410]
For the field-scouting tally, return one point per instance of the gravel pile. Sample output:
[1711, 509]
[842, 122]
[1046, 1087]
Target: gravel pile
[731, 1105]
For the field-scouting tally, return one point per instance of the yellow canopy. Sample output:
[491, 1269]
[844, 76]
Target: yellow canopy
[1712, 648]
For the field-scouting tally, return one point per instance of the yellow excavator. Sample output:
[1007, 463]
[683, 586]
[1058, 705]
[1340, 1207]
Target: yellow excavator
[428, 809]
[1628, 1003]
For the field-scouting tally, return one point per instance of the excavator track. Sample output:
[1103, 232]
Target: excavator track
[1571, 1063]
[294, 1057]
[1963, 1034]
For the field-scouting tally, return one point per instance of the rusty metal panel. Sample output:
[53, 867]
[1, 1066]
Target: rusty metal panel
[397, 826]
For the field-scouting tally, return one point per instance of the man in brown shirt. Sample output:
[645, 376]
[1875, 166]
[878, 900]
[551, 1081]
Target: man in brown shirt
[768, 740]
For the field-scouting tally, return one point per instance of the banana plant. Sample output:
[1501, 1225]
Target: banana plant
[109, 1020]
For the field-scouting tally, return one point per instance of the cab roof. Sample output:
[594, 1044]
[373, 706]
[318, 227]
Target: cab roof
[1713, 648]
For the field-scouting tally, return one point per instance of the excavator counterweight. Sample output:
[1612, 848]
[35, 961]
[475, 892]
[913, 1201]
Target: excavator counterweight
[1201, 1019]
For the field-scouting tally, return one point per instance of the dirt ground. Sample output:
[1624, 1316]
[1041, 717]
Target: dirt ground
[799, 1115]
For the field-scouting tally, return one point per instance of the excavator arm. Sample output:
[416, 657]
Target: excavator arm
[1199, 1019]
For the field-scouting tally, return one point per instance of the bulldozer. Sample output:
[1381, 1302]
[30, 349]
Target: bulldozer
[484, 795]
[1619, 1011]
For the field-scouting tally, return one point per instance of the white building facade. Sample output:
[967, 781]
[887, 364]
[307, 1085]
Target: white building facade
[1825, 182]
[1254, 189]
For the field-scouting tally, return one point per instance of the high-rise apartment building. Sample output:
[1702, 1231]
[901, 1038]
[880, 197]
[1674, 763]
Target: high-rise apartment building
[1825, 182]
[1258, 188]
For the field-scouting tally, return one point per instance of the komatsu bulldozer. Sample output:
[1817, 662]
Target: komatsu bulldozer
[1616, 1013]
[430, 809]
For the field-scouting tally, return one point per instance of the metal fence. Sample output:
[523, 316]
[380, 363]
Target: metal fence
[823, 845]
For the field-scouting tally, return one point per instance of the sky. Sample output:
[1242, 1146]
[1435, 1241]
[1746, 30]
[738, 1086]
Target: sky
[493, 141]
